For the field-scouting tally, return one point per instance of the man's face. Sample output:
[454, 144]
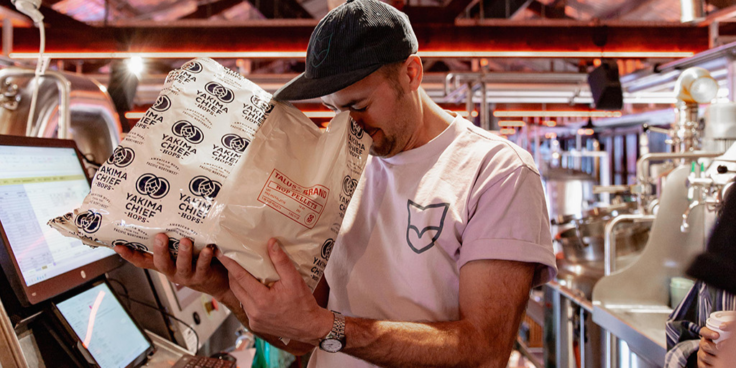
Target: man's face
[382, 111]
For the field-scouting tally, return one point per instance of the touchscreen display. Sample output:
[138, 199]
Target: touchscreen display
[104, 327]
[37, 184]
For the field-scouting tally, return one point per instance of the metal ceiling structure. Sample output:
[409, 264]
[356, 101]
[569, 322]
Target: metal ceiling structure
[267, 39]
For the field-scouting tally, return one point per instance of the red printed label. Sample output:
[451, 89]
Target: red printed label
[301, 204]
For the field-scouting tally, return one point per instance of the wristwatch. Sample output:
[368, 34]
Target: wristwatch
[335, 340]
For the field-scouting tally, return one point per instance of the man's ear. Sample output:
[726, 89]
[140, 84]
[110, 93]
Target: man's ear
[414, 71]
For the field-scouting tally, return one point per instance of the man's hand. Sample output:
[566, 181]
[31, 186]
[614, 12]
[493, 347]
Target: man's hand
[708, 351]
[287, 308]
[205, 276]
[727, 347]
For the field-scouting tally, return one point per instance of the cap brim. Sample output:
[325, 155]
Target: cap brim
[302, 88]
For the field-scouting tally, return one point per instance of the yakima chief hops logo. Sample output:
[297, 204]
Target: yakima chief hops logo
[234, 142]
[162, 104]
[205, 187]
[188, 131]
[89, 222]
[327, 248]
[355, 129]
[152, 186]
[356, 148]
[256, 111]
[110, 175]
[214, 98]
[192, 67]
[131, 245]
[196, 206]
[223, 94]
[121, 157]
[173, 246]
[231, 149]
[188, 135]
[348, 185]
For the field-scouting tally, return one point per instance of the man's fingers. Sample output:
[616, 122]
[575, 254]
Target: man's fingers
[138, 259]
[204, 261]
[238, 274]
[705, 359]
[184, 258]
[709, 334]
[286, 270]
[708, 346]
[161, 256]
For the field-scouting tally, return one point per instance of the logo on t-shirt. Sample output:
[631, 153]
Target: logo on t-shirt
[425, 225]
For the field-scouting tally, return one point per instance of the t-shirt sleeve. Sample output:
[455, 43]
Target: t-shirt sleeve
[508, 220]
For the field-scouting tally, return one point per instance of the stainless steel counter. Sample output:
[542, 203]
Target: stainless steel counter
[642, 327]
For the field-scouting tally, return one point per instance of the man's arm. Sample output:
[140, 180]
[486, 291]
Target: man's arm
[493, 296]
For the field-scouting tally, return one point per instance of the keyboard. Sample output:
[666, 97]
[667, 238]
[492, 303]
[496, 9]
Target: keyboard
[203, 362]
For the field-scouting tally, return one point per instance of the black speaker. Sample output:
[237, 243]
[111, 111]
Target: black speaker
[122, 86]
[606, 87]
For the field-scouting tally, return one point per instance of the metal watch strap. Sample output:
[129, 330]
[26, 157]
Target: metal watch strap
[338, 328]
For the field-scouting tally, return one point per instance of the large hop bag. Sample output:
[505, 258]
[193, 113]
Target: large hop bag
[216, 160]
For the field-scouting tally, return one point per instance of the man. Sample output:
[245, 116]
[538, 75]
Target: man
[445, 236]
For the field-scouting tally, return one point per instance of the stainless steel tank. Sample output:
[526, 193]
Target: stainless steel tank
[569, 193]
[68, 106]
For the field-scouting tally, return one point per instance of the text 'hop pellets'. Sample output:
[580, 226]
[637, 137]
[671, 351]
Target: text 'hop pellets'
[218, 161]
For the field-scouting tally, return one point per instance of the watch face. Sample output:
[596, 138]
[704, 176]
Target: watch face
[331, 345]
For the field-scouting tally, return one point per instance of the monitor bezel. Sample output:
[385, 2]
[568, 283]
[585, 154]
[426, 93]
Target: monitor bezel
[44, 290]
[71, 334]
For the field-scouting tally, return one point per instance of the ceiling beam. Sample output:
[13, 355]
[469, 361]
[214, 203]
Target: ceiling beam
[212, 8]
[436, 14]
[624, 9]
[553, 11]
[498, 36]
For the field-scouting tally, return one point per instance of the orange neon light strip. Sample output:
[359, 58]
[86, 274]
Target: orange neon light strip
[508, 131]
[302, 54]
[310, 114]
[511, 123]
[566, 114]
[92, 316]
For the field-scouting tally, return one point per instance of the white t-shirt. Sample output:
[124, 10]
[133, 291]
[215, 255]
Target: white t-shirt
[416, 218]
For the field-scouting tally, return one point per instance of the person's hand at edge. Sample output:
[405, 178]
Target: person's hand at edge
[707, 351]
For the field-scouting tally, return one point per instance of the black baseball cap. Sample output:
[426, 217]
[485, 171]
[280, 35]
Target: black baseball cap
[349, 43]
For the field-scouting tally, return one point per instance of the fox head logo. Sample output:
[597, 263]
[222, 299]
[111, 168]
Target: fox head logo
[425, 225]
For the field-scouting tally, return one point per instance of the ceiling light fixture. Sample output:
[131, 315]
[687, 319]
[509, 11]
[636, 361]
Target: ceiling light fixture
[564, 114]
[511, 123]
[302, 54]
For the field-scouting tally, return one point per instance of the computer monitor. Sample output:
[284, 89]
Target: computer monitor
[40, 179]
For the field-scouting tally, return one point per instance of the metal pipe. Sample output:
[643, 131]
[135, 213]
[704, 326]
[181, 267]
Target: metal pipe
[642, 165]
[698, 59]
[485, 121]
[64, 87]
[610, 241]
[581, 343]
[685, 226]
[611, 350]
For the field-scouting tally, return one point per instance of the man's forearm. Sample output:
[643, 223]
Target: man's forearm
[436, 344]
[295, 347]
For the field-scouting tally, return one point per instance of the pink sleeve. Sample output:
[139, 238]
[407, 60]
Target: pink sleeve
[508, 220]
